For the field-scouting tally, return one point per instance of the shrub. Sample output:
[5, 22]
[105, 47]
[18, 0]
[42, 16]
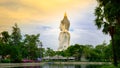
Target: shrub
[6, 61]
[110, 66]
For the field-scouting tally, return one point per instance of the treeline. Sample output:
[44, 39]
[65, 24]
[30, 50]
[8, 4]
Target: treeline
[99, 53]
[14, 48]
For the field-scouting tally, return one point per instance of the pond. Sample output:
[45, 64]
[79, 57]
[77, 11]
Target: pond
[61, 66]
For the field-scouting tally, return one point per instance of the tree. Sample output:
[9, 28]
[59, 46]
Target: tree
[117, 43]
[108, 52]
[16, 35]
[17, 48]
[87, 51]
[15, 42]
[5, 37]
[15, 53]
[108, 15]
[4, 44]
[41, 52]
[75, 51]
[100, 49]
[50, 52]
[30, 43]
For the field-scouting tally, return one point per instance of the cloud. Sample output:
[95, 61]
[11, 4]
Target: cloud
[39, 11]
[92, 37]
[25, 10]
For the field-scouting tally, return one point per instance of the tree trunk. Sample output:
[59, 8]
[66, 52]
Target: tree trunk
[113, 47]
[118, 20]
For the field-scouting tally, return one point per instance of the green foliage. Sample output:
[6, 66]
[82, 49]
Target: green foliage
[5, 60]
[110, 66]
[102, 52]
[18, 48]
[108, 18]
[31, 45]
[49, 52]
[5, 37]
[27, 48]
[117, 42]
[41, 52]
[108, 52]
[75, 51]
[15, 53]
[16, 35]
[108, 9]
[88, 51]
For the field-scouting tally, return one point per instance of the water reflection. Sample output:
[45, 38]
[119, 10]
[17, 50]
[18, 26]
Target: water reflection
[62, 66]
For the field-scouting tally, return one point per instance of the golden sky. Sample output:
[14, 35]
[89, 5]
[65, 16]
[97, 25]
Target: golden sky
[24, 11]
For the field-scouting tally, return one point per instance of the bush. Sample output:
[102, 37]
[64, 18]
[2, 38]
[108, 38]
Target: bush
[6, 61]
[110, 66]
[17, 59]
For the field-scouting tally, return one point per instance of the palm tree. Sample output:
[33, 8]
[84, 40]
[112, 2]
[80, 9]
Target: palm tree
[108, 18]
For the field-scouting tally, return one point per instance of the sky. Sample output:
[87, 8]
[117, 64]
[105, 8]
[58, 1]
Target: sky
[44, 17]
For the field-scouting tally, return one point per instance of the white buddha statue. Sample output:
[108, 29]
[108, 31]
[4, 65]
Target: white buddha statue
[64, 36]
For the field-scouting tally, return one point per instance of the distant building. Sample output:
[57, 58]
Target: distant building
[57, 57]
